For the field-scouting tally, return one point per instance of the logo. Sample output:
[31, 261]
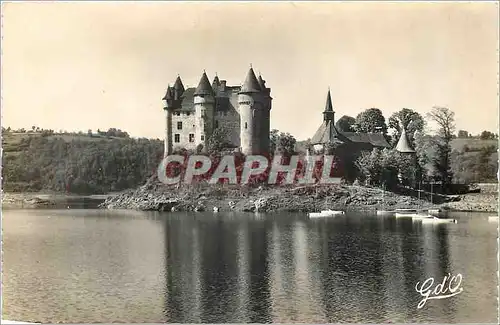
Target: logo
[175, 169]
[449, 287]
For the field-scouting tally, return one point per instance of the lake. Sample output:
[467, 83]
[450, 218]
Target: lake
[98, 266]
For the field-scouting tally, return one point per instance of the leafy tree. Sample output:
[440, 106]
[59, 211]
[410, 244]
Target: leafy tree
[217, 142]
[282, 143]
[445, 120]
[346, 123]
[487, 135]
[410, 120]
[462, 134]
[370, 121]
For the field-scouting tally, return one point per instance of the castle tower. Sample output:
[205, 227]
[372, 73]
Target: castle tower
[168, 108]
[249, 99]
[204, 105]
[328, 113]
[178, 89]
[264, 118]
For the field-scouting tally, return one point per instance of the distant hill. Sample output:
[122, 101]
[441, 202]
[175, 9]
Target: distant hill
[76, 163]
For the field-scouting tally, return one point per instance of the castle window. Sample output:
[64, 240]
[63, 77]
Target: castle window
[179, 125]
[188, 113]
[178, 113]
[177, 138]
[246, 125]
[216, 124]
[191, 137]
[202, 137]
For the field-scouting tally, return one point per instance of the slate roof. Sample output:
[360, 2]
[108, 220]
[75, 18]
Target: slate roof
[251, 84]
[327, 132]
[328, 105]
[204, 88]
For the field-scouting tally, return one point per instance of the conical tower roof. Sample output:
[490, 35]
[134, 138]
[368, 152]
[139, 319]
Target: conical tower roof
[262, 83]
[204, 87]
[251, 84]
[216, 83]
[403, 145]
[168, 95]
[178, 85]
[329, 106]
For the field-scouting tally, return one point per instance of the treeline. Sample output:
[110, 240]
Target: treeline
[111, 132]
[79, 166]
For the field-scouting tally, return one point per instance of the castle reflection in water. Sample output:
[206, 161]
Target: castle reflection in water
[283, 269]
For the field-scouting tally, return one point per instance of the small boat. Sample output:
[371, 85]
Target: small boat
[434, 211]
[493, 219]
[423, 216]
[385, 213]
[405, 213]
[438, 220]
[324, 213]
[332, 212]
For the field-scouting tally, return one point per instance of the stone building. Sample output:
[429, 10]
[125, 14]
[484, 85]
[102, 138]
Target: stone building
[243, 112]
[349, 142]
[347, 146]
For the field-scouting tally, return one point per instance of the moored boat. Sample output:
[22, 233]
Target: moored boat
[405, 213]
[493, 218]
[385, 213]
[439, 220]
[324, 213]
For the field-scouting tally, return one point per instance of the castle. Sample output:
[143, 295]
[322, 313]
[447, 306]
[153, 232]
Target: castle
[243, 112]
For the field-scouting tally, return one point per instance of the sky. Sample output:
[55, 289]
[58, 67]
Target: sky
[89, 65]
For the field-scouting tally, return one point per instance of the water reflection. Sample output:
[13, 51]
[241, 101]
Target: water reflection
[216, 268]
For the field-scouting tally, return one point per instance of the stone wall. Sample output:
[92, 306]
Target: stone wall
[188, 127]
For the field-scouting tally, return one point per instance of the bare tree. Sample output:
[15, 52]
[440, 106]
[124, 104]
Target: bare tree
[445, 118]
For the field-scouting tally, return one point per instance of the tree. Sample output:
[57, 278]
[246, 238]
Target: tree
[445, 119]
[216, 142]
[487, 135]
[370, 121]
[346, 123]
[410, 120]
[462, 134]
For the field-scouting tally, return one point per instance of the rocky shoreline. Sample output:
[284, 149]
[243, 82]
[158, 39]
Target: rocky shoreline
[157, 197]
[260, 199]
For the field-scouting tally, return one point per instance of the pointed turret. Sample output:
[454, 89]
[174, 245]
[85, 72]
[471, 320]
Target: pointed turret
[216, 83]
[403, 145]
[251, 84]
[328, 113]
[178, 88]
[262, 83]
[204, 88]
[168, 96]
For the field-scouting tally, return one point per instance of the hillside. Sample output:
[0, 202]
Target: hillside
[76, 163]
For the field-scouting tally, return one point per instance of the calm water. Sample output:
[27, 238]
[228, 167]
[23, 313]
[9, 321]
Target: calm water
[102, 266]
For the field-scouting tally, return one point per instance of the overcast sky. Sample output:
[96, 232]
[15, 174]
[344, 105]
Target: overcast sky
[82, 65]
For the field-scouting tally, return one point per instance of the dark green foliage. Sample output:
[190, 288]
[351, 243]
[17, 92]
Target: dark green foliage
[370, 121]
[282, 143]
[346, 123]
[410, 120]
[487, 135]
[80, 166]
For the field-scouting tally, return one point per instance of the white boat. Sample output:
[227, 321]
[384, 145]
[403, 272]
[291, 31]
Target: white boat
[405, 213]
[324, 213]
[493, 218]
[439, 220]
[385, 213]
[332, 212]
[423, 216]
[434, 211]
